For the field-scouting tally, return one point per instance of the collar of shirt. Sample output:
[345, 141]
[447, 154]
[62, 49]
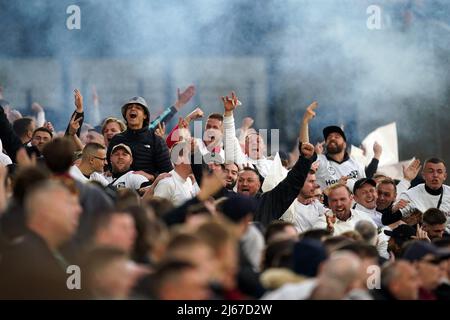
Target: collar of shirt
[346, 157]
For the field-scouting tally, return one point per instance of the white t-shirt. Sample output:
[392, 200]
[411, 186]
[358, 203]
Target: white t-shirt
[95, 176]
[420, 199]
[176, 189]
[292, 291]
[373, 213]
[129, 180]
[306, 216]
[329, 171]
[344, 226]
[382, 244]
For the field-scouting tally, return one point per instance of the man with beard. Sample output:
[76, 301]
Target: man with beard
[122, 176]
[307, 208]
[231, 175]
[336, 164]
[431, 194]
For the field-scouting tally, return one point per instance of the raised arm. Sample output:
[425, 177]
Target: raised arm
[232, 148]
[78, 113]
[182, 99]
[274, 203]
[307, 117]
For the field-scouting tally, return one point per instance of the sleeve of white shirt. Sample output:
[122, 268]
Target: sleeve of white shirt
[402, 187]
[40, 119]
[382, 245]
[164, 189]
[409, 207]
[321, 223]
[137, 180]
[99, 178]
[232, 148]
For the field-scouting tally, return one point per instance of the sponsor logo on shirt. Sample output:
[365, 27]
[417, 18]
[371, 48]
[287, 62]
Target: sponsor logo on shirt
[352, 175]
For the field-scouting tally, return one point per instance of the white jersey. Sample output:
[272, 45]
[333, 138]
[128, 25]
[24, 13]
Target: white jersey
[129, 180]
[344, 226]
[420, 199]
[76, 173]
[176, 189]
[306, 216]
[329, 171]
[372, 213]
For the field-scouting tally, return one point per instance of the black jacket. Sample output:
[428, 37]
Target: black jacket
[150, 152]
[271, 205]
[11, 142]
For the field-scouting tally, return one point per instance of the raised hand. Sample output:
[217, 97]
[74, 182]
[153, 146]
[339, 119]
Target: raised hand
[401, 204]
[230, 103]
[49, 126]
[411, 171]
[307, 150]
[377, 150]
[318, 148]
[24, 160]
[315, 165]
[185, 96]
[330, 218]
[210, 185]
[247, 122]
[194, 115]
[95, 98]
[421, 234]
[36, 107]
[78, 100]
[310, 113]
[74, 125]
[161, 130]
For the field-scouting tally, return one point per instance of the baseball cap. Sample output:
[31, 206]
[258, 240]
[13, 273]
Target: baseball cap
[308, 254]
[330, 129]
[140, 101]
[122, 146]
[402, 233]
[238, 206]
[419, 249]
[358, 184]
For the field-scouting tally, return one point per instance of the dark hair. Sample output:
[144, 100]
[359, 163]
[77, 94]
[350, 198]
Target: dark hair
[43, 129]
[22, 125]
[94, 260]
[317, 234]
[160, 206]
[434, 216]
[167, 271]
[102, 220]
[91, 148]
[216, 116]
[433, 160]
[361, 249]
[58, 155]
[25, 179]
[275, 227]
[388, 181]
[279, 254]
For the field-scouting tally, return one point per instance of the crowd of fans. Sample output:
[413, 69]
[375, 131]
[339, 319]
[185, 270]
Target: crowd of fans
[125, 209]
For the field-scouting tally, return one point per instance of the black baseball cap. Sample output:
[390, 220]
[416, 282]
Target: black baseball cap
[330, 129]
[419, 249]
[363, 181]
[402, 233]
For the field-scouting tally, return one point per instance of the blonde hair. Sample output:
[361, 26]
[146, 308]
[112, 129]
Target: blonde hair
[115, 120]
